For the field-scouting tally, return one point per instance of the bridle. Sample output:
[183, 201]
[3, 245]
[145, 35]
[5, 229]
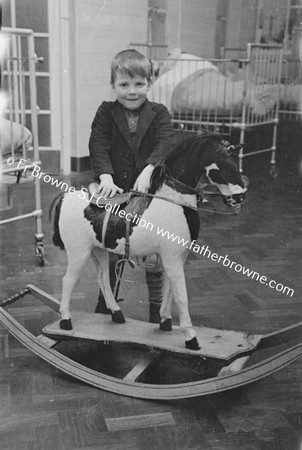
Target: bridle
[185, 189]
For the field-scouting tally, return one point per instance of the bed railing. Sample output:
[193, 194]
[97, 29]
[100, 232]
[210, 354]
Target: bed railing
[18, 84]
[223, 94]
[291, 84]
[19, 117]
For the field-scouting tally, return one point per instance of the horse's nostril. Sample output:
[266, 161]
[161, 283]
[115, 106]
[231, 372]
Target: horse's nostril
[237, 209]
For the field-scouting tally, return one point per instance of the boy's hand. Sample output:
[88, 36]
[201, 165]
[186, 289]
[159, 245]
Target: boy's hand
[142, 182]
[107, 188]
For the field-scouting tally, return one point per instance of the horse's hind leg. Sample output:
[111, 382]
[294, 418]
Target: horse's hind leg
[100, 258]
[74, 268]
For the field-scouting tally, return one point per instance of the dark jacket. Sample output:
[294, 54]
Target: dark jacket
[112, 148]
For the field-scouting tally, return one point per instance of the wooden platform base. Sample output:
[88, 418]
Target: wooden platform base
[214, 343]
[221, 365]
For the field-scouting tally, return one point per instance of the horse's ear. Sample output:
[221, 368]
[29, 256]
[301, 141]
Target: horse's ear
[246, 181]
[234, 149]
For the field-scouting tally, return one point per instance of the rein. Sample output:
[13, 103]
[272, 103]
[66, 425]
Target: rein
[185, 189]
[214, 211]
[173, 182]
[160, 197]
[193, 190]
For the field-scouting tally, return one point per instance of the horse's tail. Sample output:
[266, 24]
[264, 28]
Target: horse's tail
[56, 204]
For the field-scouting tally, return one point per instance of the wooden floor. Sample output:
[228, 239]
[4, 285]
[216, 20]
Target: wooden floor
[41, 408]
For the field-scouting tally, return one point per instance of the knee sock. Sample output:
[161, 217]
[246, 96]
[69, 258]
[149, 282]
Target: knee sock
[155, 287]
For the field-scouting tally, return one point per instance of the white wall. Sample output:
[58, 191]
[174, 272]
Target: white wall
[100, 29]
[191, 26]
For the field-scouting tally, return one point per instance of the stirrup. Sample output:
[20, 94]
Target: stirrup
[122, 261]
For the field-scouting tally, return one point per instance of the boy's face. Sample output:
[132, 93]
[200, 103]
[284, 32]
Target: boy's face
[130, 92]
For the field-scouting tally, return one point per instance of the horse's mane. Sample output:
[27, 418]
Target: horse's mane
[203, 141]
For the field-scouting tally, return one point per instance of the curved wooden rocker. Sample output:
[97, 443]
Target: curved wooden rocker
[227, 359]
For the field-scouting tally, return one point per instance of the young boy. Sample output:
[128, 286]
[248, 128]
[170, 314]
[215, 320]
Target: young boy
[128, 137]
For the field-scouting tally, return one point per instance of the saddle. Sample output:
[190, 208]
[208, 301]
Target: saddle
[119, 200]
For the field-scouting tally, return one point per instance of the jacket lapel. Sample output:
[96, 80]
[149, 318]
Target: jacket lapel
[120, 119]
[146, 117]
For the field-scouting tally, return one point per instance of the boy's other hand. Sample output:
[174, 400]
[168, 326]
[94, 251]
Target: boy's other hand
[107, 188]
[142, 182]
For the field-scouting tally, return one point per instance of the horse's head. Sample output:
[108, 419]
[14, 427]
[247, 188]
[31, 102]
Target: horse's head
[203, 155]
[222, 171]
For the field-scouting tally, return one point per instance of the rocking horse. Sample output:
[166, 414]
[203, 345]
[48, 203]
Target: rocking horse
[155, 364]
[88, 230]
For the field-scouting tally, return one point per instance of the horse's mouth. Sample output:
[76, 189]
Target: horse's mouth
[233, 200]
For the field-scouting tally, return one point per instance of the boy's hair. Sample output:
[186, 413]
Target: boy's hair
[132, 63]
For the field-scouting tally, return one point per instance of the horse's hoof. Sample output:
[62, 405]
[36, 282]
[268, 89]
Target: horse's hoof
[65, 324]
[166, 325]
[117, 317]
[102, 309]
[192, 344]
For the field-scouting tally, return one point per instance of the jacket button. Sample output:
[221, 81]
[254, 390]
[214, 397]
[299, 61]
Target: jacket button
[125, 175]
[127, 154]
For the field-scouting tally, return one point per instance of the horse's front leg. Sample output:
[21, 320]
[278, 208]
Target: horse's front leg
[166, 306]
[101, 259]
[174, 267]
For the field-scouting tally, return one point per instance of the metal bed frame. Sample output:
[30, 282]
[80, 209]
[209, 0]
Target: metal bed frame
[291, 75]
[261, 66]
[18, 84]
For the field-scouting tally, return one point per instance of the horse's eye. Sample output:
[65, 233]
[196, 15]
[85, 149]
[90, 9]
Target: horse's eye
[215, 176]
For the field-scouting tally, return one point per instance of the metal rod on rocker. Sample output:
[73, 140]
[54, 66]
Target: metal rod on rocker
[121, 266]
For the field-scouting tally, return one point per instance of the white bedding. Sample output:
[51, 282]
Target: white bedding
[162, 89]
[12, 137]
[217, 94]
[189, 87]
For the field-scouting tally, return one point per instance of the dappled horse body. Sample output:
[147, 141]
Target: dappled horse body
[136, 228]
